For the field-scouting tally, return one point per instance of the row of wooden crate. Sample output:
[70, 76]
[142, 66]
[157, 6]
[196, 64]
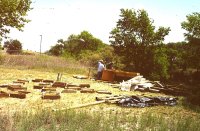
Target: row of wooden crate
[47, 86]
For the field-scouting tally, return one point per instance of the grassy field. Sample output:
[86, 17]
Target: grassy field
[34, 113]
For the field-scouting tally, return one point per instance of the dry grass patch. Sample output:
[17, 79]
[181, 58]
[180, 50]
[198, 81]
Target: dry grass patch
[34, 113]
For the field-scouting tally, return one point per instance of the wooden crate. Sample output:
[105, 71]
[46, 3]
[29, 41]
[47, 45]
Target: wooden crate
[108, 75]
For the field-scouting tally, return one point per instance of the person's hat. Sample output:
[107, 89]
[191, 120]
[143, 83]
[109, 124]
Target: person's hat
[100, 60]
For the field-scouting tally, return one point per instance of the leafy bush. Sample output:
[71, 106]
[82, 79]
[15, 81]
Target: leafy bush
[13, 46]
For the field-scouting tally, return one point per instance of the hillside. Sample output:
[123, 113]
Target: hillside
[35, 113]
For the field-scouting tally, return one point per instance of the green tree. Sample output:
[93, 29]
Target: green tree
[160, 63]
[192, 26]
[75, 45]
[56, 50]
[133, 37]
[12, 14]
[13, 46]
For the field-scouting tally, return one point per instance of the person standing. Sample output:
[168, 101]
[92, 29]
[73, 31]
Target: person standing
[100, 69]
[110, 66]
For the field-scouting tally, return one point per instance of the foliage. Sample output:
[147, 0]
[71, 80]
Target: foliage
[12, 14]
[13, 46]
[56, 50]
[160, 64]
[192, 26]
[85, 48]
[133, 37]
[75, 44]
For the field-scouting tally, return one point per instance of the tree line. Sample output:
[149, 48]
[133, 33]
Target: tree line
[137, 46]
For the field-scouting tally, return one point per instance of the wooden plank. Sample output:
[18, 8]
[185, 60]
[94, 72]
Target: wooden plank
[87, 90]
[84, 85]
[48, 81]
[109, 97]
[23, 80]
[37, 80]
[23, 91]
[59, 84]
[51, 96]
[69, 91]
[103, 92]
[18, 95]
[82, 105]
[37, 87]
[74, 88]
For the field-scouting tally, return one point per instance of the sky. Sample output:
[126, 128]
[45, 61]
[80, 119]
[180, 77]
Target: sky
[52, 20]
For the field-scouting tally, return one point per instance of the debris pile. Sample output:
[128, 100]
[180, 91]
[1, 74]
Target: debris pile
[136, 83]
[139, 83]
[136, 101]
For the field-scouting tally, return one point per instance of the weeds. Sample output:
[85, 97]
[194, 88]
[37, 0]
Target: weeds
[43, 62]
[72, 120]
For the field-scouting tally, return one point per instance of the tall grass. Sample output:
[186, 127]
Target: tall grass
[43, 62]
[71, 120]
